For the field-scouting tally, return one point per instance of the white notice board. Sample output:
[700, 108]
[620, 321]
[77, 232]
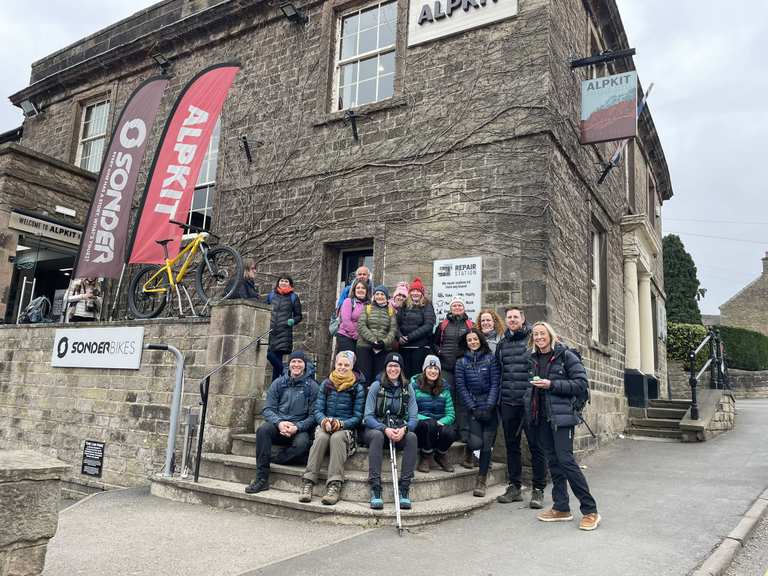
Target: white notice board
[457, 278]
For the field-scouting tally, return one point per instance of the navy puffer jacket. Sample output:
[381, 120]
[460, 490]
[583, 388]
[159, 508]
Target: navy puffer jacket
[284, 307]
[346, 405]
[292, 400]
[447, 337]
[417, 323]
[477, 380]
[513, 356]
[569, 380]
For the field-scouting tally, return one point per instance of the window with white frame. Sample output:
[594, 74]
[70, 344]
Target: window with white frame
[92, 135]
[599, 297]
[201, 211]
[365, 55]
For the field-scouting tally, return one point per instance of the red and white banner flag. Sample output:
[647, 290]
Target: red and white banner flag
[104, 241]
[180, 154]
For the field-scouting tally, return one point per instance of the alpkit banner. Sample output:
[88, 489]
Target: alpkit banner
[609, 108]
[171, 181]
[105, 238]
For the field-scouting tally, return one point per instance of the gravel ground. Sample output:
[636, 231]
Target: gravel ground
[753, 558]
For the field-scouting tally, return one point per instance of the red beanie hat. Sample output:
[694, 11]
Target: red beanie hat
[417, 285]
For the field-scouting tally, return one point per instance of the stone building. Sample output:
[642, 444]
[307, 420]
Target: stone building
[748, 308]
[467, 146]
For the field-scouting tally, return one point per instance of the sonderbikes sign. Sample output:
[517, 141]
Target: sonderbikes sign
[44, 228]
[98, 348]
[430, 19]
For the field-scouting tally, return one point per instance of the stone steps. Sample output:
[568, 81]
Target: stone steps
[425, 486]
[665, 413]
[669, 433]
[283, 504]
[675, 404]
[636, 423]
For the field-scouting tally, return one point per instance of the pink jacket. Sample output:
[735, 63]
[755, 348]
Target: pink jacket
[349, 316]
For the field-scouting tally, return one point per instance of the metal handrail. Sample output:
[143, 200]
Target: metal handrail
[205, 382]
[716, 363]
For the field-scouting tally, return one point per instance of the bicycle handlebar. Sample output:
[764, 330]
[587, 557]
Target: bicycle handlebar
[193, 228]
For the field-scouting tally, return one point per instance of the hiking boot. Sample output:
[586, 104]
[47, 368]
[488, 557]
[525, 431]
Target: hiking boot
[469, 459]
[480, 485]
[405, 501]
[442, 461]
[258, 485]
[537, 498]
[512, 494]
[590, 521]
[306, 491]
[332, 493]
[553, 515]
[425, 463]
[377, 503]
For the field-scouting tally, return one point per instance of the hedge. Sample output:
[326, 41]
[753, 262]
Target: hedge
[744, 349]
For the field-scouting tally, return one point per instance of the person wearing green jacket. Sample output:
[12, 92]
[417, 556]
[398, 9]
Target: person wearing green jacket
[435, 430]
[376, 334]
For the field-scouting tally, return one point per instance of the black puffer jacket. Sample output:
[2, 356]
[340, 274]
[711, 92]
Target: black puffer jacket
[284, 307]
[513, 356]
[417, 323]
[569, 380]
[447, 338]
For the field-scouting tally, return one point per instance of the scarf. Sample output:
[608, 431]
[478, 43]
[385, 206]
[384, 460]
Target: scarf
[284, 291]
[342, 381]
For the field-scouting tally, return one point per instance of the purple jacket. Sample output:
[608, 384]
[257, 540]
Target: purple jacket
[349, 316]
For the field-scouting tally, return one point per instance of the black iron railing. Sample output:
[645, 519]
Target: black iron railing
[716, 363]
[205, 382]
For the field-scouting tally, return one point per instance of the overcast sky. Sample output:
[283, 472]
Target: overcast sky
[705, 58]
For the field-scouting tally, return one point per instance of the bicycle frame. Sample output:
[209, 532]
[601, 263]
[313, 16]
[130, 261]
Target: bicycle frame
[151, 286]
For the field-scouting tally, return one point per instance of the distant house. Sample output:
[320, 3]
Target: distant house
[749, 307]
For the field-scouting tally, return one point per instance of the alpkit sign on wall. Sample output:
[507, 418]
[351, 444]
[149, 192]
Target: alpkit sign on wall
[431, 19]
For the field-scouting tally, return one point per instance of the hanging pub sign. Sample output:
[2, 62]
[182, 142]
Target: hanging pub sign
[431, 19]
[457, 278]
[609, 108]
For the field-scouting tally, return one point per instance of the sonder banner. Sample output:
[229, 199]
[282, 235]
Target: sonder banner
[98, 348]
[180, 153]
[609, 108]
[102, 248]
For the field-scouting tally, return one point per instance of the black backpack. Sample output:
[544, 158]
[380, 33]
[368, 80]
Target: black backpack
[37, 311]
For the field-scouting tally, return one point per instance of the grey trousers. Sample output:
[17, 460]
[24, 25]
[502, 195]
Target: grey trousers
[378, 443]
[339, 446]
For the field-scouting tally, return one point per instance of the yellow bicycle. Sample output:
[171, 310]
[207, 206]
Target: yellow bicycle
[217, 276]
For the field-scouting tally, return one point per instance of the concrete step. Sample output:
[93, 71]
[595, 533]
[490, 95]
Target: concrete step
[245, 445]
[654, 423]
[282, 504]
[675, 404]
[669, 433]
[425, 486]
[666, 413]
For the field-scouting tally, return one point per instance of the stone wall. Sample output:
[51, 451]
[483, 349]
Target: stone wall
[746, 384]
[54, 410]
[749, 308]
[29, 500]
[679, 387]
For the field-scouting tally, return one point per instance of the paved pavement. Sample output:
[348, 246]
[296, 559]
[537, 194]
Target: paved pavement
[753, 558]
[665, 506]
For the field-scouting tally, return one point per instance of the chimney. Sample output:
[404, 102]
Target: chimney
[765, 264]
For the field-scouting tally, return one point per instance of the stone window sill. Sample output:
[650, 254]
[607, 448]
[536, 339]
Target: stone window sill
[367, 109]
[600, 347]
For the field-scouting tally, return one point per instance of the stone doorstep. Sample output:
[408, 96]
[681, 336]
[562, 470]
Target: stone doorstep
[666, 413]
[675, 404]
[654, 423]
[656, 433]
[282, 504]
[436, 484]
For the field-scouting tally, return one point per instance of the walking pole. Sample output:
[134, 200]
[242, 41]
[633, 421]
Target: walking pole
[393, 465]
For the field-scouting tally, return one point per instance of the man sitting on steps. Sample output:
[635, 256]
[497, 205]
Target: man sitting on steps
[288, 412]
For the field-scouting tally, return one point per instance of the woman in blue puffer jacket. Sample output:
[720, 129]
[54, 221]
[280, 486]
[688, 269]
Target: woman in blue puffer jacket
[477, 385]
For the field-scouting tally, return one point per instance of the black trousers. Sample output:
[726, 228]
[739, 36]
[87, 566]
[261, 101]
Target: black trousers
[482, 436]
[296, 448]
[558, 448]
[378, 443]
[345, 343]
[413, 357]
[432, 436]
[513, 422]
[370, 364]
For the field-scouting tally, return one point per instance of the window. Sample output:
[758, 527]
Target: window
[629, 165]
[93, 135]
[202, 202]
[365, 55]
[599, 298]
[652, 201]
[596, 47]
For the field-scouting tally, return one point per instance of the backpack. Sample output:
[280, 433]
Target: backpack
[37, 311]
[369, 307]
[272, 294]
[444, 323]
[579, 402]
[382, 403]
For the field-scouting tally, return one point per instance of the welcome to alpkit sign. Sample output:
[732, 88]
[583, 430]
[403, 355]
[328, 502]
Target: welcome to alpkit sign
[431, 19]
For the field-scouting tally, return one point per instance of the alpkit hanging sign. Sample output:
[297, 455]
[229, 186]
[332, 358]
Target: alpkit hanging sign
[431, 19]
[609, 108]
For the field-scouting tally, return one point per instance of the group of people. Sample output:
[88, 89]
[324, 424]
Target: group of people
[401, 376]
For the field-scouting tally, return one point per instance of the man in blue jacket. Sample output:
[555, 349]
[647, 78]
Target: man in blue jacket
[289, 420]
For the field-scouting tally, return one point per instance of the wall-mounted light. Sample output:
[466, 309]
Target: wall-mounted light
[162, 62]
[66, 211]
[293, 14]
[246, 146]
[29, 109]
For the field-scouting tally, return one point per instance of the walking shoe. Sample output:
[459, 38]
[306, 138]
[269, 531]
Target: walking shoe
[469, 459]
[553, 515]
[405, 501]
[332, 493]
[377, 503]
[258, 485]
[442, 461]
[590, 521]
[512, 494]
[480, 485]
[306, 491]
[537, 498]
[425, 463]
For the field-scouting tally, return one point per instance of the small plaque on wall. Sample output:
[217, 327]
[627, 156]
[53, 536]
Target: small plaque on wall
[93, 458]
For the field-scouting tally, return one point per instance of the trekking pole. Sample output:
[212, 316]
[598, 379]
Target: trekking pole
[396, 487]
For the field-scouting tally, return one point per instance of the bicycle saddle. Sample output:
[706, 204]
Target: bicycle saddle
[164, 242]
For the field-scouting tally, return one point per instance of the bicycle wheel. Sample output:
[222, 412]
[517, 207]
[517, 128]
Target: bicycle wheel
[147, 304]
[219, 275]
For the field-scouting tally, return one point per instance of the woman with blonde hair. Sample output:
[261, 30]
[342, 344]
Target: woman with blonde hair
[491, 326]
[558, 383]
